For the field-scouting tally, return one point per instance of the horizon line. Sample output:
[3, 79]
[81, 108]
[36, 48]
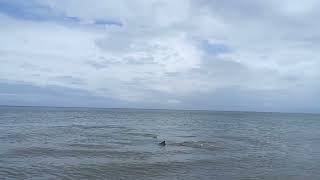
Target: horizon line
[173, 109]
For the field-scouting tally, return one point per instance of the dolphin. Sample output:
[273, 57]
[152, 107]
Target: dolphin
[163, 143]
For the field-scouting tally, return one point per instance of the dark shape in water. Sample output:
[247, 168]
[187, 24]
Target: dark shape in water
[163, 143]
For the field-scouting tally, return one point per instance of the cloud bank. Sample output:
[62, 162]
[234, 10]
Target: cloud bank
[223, 55]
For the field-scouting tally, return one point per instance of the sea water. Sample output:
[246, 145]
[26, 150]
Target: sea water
[93, 143]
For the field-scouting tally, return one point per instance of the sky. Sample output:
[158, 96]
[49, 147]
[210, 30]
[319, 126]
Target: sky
[236, 55]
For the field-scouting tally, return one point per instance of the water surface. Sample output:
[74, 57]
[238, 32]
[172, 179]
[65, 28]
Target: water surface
[90, 143]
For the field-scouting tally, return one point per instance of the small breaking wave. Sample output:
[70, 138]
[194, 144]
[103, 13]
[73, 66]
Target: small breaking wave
[81, 126]
[200, 145]
[142, 134]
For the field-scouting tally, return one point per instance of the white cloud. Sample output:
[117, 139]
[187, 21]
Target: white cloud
[157, 51]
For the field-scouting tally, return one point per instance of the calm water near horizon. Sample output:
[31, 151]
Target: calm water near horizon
[92, 143]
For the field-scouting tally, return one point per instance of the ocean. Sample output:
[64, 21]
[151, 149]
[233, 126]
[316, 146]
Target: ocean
[92, 143]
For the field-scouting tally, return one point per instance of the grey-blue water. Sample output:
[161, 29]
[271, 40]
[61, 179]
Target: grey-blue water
[82, 143]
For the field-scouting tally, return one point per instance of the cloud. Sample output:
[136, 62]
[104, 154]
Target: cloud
[165, 53]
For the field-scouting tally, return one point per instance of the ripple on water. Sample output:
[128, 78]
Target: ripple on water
[12, 172]
[207, 145]
[32, 152]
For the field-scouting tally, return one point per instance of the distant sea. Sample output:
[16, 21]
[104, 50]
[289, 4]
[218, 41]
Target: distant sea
[91, 143]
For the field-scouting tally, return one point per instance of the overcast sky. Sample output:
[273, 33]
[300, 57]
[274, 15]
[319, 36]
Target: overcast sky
[251, 55]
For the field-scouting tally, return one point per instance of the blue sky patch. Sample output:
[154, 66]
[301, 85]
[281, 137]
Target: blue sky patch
[108, 23]
[28, 10]
[215, 48]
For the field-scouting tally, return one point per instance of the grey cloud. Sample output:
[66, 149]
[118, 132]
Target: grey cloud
[99, 64]
[140, 61]
[245, 9]
[118, 44]
[260, 55]
[26, 94]
[69, 80]
[235, 98]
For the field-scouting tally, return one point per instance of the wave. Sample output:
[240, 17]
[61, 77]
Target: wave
[32, 152]
[200, 145]
[82, 126]
[141, 134]
[12, 172]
